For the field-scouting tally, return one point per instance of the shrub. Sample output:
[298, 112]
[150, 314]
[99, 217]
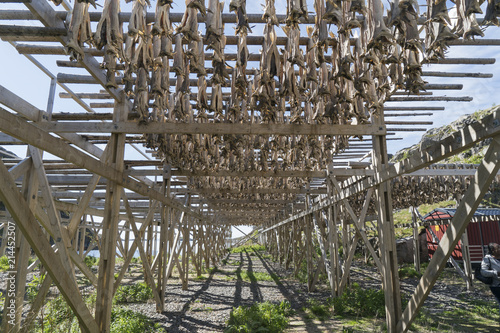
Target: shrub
[136, 260]
[123, 320]
[57, 316]
[90, 261]
[408, 272]
[360, 302]
[33, 287]
[139, 292]
[4, 264]
[260, 317]
[315, 309]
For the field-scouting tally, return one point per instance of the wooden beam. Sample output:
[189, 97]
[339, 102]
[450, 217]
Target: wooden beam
[453, 144]
[465, 210]
[51, 260]
[211, 128]
[22, 130]
[49, 18]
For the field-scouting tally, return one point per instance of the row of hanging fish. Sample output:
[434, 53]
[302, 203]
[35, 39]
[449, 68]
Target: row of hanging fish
[320, 76]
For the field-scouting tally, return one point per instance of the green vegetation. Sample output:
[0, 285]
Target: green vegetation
[260, 317]
[476, 316]
[359, 302]
[123, 320]
[136, 260]
[403, 216]
[139, 292]
[408, 271]
[258, 276]
[33, 287]
[57, 316]
[4, 264]
[318, 310]
[248, 248]
[91, 261]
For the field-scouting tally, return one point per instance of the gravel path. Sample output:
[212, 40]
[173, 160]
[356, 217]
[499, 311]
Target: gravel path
[206, 305]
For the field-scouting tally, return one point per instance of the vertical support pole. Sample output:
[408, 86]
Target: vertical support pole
[416, 239]
[21, 256]
[126, 239]
[83, 233]
[308, 232]
[390, 277]
[467, 261]
[164, 236]
[333, 244]
[52, 94]
[105, 281]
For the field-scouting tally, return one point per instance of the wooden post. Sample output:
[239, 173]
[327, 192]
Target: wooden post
[51, 260]
[83, 234]
[309, 249]
[467, 262]
[390, 276]
[21, 255]
[164, 233]
[110, 227]
[416, 239]
[483, 177]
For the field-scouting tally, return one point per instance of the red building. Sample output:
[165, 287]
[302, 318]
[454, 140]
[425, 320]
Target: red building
[484, 228]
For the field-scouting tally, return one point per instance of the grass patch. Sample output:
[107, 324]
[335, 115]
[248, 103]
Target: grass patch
[317, 310]
[359, 302]
[136, 293]
[123, 320]
[258, 276]
[248, 248]
[408, 272]
[213, 270]
[260, 317]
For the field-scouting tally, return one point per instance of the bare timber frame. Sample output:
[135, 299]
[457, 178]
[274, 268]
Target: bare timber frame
[281, 147]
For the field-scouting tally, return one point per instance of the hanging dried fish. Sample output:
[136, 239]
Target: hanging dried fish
[214, 30]
[239, 6]
[270, 13]
[197, 4]
[178, 66]
[141, 101]
[195, 61]
[241, 64]
[295, 10]
[109, 35]
[295, 55]
[333, 13]
[492, 12]
[381, 34]
[270, 51]
[467, 25]
[137, 24]
[79, 31]
[217, 104]
[189, 24]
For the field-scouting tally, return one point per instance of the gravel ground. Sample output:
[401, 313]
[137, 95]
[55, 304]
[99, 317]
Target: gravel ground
[206, 305]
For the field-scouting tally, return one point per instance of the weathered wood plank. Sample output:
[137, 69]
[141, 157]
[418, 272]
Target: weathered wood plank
[51, 260]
